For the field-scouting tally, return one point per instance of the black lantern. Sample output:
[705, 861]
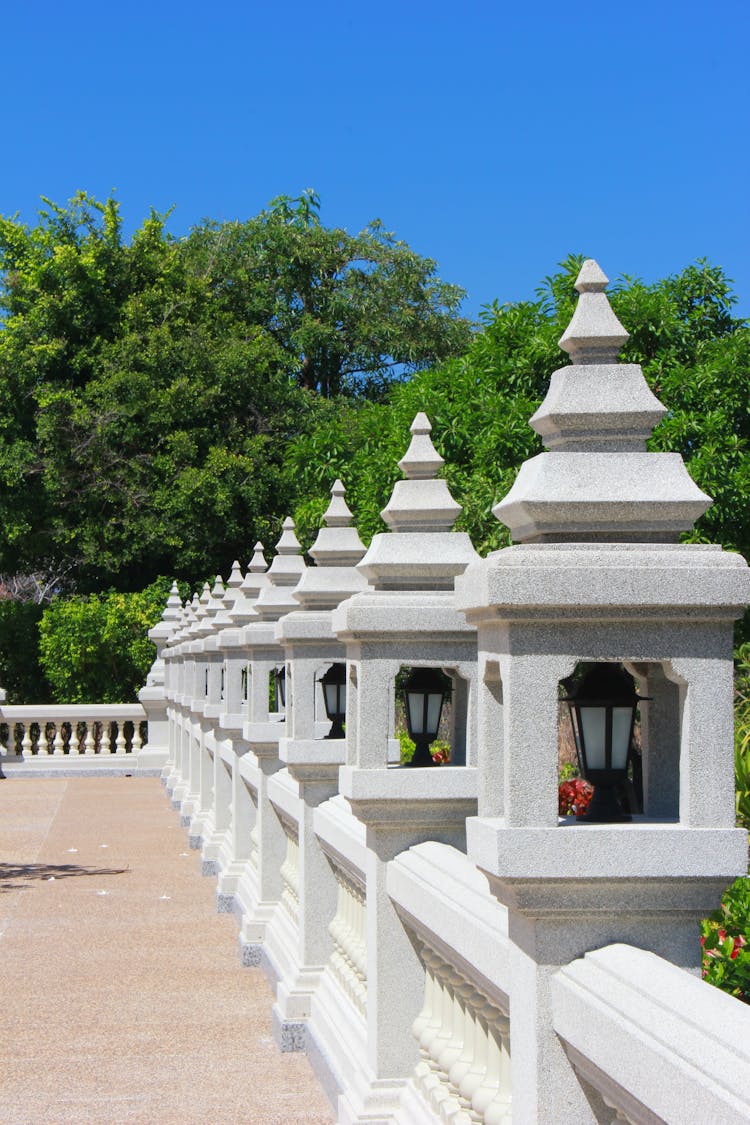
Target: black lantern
[425, 692]
[602, 712]
[279, 685]
[334, 697]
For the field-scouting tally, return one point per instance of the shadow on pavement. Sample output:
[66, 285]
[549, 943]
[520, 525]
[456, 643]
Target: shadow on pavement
[11, 873]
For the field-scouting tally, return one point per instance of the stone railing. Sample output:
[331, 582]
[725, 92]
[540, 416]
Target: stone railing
[463, 1030]
[80, 738]
[653, 1042]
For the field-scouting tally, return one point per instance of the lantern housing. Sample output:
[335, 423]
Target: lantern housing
[425, 692]
[334, 697]
[602, 709]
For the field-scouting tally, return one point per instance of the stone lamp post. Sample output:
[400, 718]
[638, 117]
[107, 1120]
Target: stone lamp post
[312, 758]
[230, 794]
[154, 754]
[260, 886]
[407, 619]
[599, 575]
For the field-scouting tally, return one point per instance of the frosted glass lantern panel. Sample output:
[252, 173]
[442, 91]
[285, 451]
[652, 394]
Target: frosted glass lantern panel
[424, 706]
[335, 698]
[622, 718]
[594, 723]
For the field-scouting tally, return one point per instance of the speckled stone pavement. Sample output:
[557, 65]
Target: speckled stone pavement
[121, 994]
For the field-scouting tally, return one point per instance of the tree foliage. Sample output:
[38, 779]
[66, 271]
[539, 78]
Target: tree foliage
[147, 389]
[347, 311]
[694, 354]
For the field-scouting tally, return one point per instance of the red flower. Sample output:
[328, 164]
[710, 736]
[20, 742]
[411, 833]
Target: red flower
[574, 796]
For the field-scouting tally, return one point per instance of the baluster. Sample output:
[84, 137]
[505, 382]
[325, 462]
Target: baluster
[58, 745]
[105, 743]
[425, 1015]
[89, 742]
[446, 1046]
[74, 742]
[489, 1092]
[456, 1110]
[120, 740]
[475, 1076]
[26, 743]
[42, 746]
[136, 741]
[432, 1027]
[499, 1111]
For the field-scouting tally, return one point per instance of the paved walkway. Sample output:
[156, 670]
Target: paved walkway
[121, 994]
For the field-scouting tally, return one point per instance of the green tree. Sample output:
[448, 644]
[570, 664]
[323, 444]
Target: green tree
[694, 355]
[348, 311]
[148, 389]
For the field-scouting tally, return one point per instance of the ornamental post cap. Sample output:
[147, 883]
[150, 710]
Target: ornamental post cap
[288, 544]
[173, 608]
[257, 564]
[338, 543]
[338, 514]
[421, 460]
[234, 581]
[594, 334]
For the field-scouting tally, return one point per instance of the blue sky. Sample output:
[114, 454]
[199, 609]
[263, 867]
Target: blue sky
[493, 137]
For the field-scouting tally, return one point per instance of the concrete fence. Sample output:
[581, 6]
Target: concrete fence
[443, 945]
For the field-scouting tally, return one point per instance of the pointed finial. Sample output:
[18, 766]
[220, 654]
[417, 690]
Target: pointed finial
[234, 581]
[173, 608]
[337, 542]
[289, 543]
[337, 514]
[218, 590]
[421, 460]
[594, 334]
[257, 564]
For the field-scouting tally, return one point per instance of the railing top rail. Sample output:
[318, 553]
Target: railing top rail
[65, 712]
[635, 1022]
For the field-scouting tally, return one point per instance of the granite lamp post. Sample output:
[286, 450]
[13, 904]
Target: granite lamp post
[407, 619]
[312, 749]
[234, 849]
[155, 754]
[598, 575]
[259, 888]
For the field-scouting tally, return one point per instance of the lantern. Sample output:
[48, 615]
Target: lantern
[425, 691]
[279, 684]
[602, 712]
[334, 697]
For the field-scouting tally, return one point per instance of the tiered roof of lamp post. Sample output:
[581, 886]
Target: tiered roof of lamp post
[310, 643]
[408, 618]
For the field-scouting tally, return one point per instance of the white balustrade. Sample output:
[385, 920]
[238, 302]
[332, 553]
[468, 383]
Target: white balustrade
[290, 869]
[348, 929]
[61, 737]
[463, 1037]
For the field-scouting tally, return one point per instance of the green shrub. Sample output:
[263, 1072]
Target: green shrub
[95, 648]
[724, 937]
[440, 749]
